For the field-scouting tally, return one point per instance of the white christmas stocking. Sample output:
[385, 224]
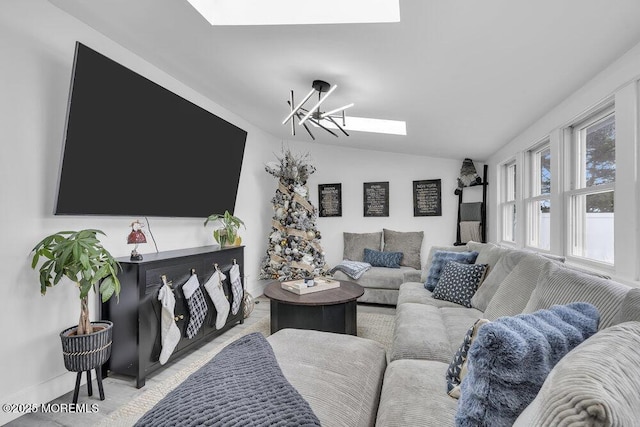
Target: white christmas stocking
[169, 332]
[197, 305]
[215, 291]
[236, 288]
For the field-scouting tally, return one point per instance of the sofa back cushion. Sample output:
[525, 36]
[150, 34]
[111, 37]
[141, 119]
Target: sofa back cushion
[560, 285]
[596, 384]
[495, 277]
[511, 357]
[355, 244]
[630, 307]
[488, 253]
[513, 293]
[407, 242]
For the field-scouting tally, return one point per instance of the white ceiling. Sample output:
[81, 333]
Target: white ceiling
[466, 75]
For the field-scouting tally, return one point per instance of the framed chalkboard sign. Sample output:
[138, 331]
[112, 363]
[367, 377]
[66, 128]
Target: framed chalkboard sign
[376, 198]
[427, 197]
[330, 199]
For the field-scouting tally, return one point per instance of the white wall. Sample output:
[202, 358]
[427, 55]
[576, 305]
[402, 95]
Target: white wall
[353, 167]
[617, 83]
[37, 44]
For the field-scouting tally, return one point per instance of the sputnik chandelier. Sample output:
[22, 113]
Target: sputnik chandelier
[322, 119]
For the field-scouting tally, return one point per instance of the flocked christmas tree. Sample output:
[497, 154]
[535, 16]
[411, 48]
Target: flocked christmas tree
[294, 250]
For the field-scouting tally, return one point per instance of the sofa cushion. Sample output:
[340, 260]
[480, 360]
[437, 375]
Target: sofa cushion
[353, 269]
[416, 293]
[488, 253]
[355, 243]
[339, 393]
[433, 250]
[495, 276]
[382, 259]
[411, 397]
[513, 293]
[458, 282]
[596, 384]
[630, 307]
[438, 261]
[511, 358]
[458, 367]
[560, 285]
[379, 277]
[431, 333]
[407, 242]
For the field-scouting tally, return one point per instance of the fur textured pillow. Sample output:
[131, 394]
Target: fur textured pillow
[458, 366]
[511, 358]
[438, 261]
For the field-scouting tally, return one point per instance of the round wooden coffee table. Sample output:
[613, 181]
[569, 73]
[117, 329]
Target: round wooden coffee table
[331, 310]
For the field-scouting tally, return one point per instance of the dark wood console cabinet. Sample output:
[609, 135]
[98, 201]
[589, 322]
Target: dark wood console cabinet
[136, 313]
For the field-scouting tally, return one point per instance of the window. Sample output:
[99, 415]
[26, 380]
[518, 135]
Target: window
[591, 198]
[509, 202]
[538, 204]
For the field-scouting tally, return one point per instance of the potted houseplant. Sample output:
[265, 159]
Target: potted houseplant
[227, 232]
[80, 257]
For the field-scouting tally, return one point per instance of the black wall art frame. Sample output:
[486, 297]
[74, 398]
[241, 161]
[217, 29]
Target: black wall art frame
[376, 198]
[427, 197]
[330, 200]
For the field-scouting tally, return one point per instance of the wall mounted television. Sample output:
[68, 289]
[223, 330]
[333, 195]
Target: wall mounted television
[135, 148]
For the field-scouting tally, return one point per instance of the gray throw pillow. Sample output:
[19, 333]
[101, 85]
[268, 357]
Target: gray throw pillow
[355, 244]
[409, 243]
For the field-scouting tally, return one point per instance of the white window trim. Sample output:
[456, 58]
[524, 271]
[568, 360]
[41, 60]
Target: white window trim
[506, 203]
[573, 162]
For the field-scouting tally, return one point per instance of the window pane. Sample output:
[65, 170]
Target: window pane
[540, 225]
[600, 152]
[545, 171]
[509, 215]
[511, 182]
[593, 226]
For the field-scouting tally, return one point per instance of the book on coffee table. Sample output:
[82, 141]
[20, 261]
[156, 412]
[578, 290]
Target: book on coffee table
[299, 287]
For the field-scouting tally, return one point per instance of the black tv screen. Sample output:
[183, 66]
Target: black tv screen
[135, 148]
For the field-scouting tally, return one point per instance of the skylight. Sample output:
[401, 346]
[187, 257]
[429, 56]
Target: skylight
[363, 124]
[297, 12]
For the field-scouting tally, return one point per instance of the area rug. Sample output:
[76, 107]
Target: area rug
[375, 326]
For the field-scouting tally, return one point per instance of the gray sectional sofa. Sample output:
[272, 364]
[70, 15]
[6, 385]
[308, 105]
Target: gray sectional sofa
[348, 381]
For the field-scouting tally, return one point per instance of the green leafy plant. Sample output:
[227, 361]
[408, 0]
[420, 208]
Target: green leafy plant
[227, 233]
[79, 256]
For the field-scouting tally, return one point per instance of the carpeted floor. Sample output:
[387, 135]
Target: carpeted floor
[375, 326]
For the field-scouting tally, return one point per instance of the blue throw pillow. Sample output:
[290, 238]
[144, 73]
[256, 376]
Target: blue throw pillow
[382, 259]
[438, 261]
[511, 357]
[459, 282]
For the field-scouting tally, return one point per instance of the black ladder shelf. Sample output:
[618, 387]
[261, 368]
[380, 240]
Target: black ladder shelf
[483, 209]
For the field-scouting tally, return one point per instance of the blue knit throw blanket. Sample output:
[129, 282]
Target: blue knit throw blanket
[242, 385]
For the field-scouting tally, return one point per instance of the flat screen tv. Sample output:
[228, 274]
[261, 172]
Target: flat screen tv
[135, 148]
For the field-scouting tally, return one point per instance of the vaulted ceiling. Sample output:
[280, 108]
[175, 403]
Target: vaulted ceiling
[467, 76]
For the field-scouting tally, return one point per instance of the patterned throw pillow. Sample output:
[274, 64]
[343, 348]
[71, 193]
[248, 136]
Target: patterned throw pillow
[458, 366]
[382, 259]
[458, 282]
[438, 261]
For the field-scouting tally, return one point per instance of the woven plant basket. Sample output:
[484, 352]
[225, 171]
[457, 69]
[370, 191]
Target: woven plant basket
[86, 352]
